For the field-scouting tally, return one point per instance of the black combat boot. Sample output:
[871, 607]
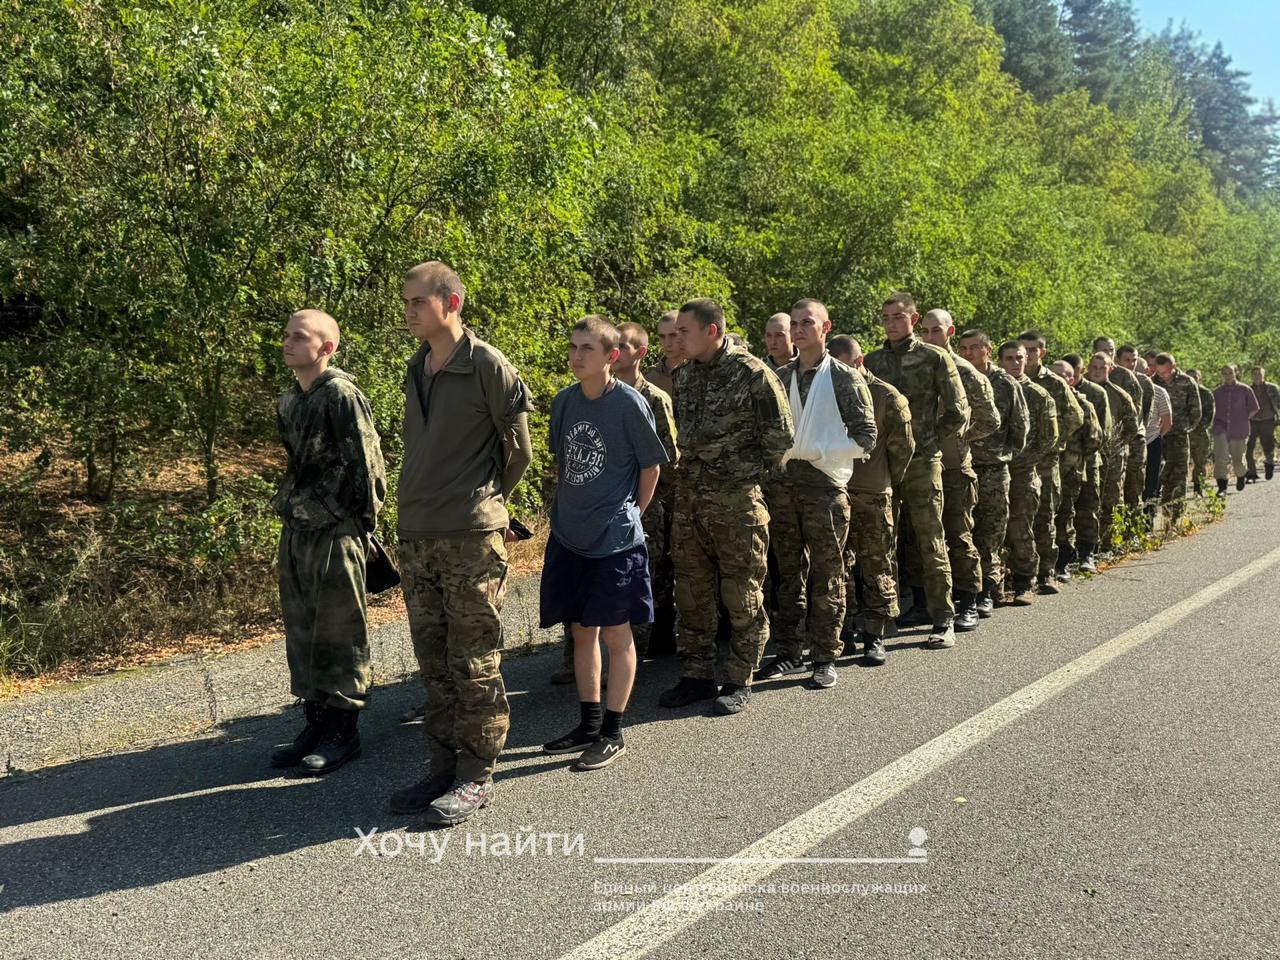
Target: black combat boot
[1222, 486]
[339, 741]
[918, 615]
[1066, 556]
[1197, 487]
[291, 754]
[1270, 471]
[1046, 585]
[1240, 482]
[873, 654]
[986, 603]
[966, 611]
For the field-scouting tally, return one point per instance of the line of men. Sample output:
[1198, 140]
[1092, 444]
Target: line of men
[970, 467]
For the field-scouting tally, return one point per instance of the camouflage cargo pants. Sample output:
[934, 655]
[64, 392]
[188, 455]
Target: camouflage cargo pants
[1173, 476]
[918, 502]
[322, 602]
[808, 528]
[1024, 504]
[1088, 504]
[959, 498]
[1201, 448]
[1114, 471]
[1135, 473]
[453, 589]
[1071, 474]
[719, 541]
[991, 518]
[871, 556]
[657, 538]
[1046, 534]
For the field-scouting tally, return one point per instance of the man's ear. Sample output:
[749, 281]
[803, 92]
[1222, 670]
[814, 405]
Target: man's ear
[613, 356]
[328, 349]
[641, 353]
[455, 303]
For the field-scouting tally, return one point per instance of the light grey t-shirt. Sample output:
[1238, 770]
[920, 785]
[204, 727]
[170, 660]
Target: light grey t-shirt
[600, 447]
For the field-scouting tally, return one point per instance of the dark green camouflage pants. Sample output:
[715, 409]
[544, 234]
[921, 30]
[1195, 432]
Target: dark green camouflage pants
[808, 527]
[1071, 475]
[719, 538]
[322, 602]
[871, 555]
[991, 518]
[1046, 539]
[1135, 475]
[453, 589]
[1201, 447]
[959, 498]
[657, 539]
[918, 501]
[1173, 475]
[1114, 471]
[1088, 518]
[1024, 504]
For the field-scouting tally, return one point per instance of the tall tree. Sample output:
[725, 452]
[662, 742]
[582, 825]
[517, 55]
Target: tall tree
[1037, 51]
[1104, 34]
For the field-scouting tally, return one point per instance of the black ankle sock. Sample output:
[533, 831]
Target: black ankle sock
[591, 715]
[612, 726]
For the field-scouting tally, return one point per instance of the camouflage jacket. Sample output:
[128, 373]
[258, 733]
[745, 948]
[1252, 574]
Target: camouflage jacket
[1184, 399]
[664, 419]
[1272, 392]
[927, 377]
[895, 442]
[1148, 395]
[856, 409]
[1208, 408]
[984, 416]
[1041, 451]
[1089, 439]
[335, 469]
[1124, 417]
[1070, 416]
[1127, 381]
[1008, 441]
[735, 424]
[662, 378]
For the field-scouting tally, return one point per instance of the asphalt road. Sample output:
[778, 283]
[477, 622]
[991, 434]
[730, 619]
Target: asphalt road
[1095, 776]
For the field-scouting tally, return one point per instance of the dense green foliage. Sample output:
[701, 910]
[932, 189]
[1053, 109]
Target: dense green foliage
[175, 178]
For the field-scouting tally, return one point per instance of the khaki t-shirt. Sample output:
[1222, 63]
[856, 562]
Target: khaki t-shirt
[454, 421]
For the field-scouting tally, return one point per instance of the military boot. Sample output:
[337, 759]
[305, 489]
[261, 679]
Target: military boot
[1022, 594]
[986, 603]
[873, 654]
[1045, 584]
[1086, 562]
[1270, 471]
[1197, 487]
[339, 741]
[966, 611]
[1222, 486]
[291, 754]
[918, 615]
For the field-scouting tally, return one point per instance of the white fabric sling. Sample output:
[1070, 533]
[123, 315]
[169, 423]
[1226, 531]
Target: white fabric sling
[821, 436]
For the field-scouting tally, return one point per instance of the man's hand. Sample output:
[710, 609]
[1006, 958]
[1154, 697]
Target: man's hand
[509, 536]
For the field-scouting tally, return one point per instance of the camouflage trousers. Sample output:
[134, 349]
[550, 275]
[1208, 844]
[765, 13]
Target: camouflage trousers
[918, 503]
[1024, 504]
[322, 602]
[1114, 471]
[657, 538]
[1135, 474]
[991, 518]
[1088, 520]
[1045, 532]
[1173, 476]
[808, 527]
[719, 541]
[1201, 450]
[870, 560]
[453, 589]
[959, 498]
[1071, 478]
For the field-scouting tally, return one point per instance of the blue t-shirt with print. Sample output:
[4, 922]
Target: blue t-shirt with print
[601, 446]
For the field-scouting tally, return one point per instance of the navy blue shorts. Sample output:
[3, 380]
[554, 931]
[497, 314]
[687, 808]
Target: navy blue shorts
[594, 591]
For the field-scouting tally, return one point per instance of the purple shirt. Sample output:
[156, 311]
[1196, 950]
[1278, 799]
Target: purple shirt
[1234, 404]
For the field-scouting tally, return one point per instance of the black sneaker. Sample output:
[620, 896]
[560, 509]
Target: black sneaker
[601, 752]
[688, 690]
[873, 653]
[986, 605]
[575, 741]
[733, 698]
[417, 798]
[1240, 481]
[779, 667]
[966, 611]
[824, 676]
[459, 802]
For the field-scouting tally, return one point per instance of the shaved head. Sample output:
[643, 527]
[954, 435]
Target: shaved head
[1064, 370]
[319, 323]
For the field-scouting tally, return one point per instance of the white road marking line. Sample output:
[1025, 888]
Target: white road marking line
[642, 932]
[776, 860]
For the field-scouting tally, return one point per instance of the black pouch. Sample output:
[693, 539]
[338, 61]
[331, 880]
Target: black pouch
[381, 571]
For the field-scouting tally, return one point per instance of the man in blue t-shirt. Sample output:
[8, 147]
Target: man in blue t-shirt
[595, 574]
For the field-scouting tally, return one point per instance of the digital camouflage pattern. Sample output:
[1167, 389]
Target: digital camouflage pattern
[453, 591]
[328, 501]
[735, 426]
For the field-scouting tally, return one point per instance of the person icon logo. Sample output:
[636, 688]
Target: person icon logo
[918, 836]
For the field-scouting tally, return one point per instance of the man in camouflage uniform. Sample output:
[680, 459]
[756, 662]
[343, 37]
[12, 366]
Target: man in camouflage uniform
[328, 503]
[657, 637]
[663, 373]
[779, 348]
[1184, 398]
[991, 457]
[1070, 420]
[1201, 438]
[927, 377]
[466, 446]
[1140, 388]
[1077, 518]
[809, 506]
[1115, 451]
[1025, 472]
[735, 426]
[959, 479]
[871, 552]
